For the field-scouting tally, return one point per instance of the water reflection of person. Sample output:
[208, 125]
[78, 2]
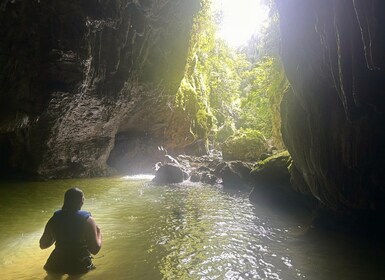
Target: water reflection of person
[76, 235]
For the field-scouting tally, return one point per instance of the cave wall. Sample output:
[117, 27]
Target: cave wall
[74, 73]
[333, 120]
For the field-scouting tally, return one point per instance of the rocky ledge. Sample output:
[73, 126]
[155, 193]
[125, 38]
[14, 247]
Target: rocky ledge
[268, 176]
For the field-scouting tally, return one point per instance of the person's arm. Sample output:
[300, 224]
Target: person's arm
[93, 236]
[47, 238]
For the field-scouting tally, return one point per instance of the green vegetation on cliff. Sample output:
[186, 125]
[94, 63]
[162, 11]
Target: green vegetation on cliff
[193, 93]
[228, 92]
[245, 144]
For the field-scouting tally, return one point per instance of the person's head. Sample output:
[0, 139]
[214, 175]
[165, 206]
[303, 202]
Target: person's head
[73, 199]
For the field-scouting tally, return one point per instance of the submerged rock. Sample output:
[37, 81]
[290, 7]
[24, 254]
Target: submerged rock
[234, 174]
[209, 178]
[195, 177]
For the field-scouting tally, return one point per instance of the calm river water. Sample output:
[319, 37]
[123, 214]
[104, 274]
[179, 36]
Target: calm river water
[186, 231]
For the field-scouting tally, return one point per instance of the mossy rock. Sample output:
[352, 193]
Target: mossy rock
[245, 145]
[271, 178]
[274, 170]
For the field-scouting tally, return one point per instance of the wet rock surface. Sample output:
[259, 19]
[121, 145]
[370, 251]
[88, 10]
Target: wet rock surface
[273, 170]
[74, 74]
[235, 174]
[271, 173]
[333, 115]
[169, 174]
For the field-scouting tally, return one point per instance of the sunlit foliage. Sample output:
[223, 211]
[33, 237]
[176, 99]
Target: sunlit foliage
[193, 94]
[225, 90]
[264, 83]
[261, 96]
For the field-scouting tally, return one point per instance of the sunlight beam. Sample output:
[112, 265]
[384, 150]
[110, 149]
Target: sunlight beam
[240, 19]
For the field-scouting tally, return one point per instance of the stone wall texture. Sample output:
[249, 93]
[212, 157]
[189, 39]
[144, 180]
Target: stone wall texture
[333, 116]
[75, 74]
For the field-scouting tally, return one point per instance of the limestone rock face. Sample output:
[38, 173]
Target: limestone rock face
[74, 74]
[333, 117]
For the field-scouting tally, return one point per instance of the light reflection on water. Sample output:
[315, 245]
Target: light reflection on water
[186, 231]
[139, 177]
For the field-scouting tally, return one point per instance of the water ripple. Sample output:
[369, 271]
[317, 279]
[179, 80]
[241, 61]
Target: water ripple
[185, 231]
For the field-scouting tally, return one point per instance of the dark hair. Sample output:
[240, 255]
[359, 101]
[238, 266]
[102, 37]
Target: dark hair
[73, 199]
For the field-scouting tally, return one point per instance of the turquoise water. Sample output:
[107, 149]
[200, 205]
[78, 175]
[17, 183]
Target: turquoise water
[186, 231]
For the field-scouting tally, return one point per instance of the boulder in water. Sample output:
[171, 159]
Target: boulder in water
[272, 183]
[169, 174]
[234, 173]
[273, 171]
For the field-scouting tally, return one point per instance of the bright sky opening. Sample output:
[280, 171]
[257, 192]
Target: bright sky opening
[240, 19]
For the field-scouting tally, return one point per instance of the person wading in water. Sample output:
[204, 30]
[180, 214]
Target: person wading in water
[76, 235]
